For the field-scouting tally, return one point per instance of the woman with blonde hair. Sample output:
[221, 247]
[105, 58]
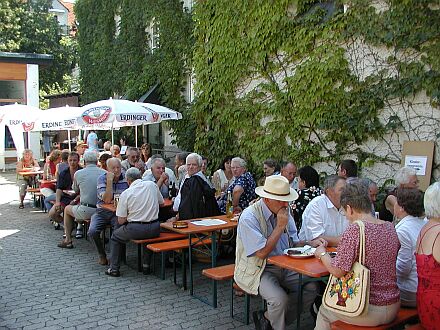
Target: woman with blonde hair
[26, 162]
[428, 261]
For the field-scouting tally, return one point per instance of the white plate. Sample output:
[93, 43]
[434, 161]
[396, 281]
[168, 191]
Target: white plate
[306, 252]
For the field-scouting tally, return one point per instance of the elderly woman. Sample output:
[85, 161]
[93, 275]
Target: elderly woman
[116, 152]
[223, 177]
[380, 237]
[405, 177]
[242, 189]
[308, 189]
[408, 208]
[428, 261]
[26, 162]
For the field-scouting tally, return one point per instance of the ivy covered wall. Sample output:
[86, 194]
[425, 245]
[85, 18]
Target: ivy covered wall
[123, 64]
[314, 83]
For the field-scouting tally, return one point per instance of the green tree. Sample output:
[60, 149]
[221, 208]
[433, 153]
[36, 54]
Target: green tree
[29, 27]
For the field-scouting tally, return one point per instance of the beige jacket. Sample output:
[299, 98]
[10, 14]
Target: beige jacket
[248, 270]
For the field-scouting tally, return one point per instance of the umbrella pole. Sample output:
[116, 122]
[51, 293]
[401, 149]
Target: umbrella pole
[136, 135]
[68, 138]
[113, 138]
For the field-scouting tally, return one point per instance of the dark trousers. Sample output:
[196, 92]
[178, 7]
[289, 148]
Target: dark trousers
[99, 221]
[127, 232]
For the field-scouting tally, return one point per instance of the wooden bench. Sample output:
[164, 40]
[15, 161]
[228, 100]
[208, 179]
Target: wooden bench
[404, 316]
[36, 193]
[224, 273]
[417, 326]
[176, 246]
[163, 237]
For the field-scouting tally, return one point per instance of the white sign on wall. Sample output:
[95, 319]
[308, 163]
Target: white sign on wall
[417, 162]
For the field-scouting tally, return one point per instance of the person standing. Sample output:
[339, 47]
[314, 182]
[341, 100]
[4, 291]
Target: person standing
[92, 141]
[137, 213]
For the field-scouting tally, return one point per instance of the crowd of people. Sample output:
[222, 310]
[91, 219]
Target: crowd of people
[289, 208]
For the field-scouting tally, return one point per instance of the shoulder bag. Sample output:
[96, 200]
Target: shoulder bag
[349, 295]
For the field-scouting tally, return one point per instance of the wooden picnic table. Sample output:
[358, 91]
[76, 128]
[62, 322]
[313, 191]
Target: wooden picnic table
[200, 232]
[32, 173]
[42, 181]
[111, 206]
[311, 267]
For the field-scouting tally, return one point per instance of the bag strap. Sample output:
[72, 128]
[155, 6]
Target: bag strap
[361, 241]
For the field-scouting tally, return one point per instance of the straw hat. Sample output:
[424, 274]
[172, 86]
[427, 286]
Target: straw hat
[81, 143]
[277, 187]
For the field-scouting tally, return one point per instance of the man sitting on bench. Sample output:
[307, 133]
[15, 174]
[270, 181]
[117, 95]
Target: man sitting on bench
[266, 229]
[137, 211]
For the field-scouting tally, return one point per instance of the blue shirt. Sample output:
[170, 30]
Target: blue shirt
[118, 187]
[252, 238]
[247, 182]
[92, 141]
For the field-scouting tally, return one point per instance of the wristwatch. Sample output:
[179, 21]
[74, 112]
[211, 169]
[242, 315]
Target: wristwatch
[322, 254]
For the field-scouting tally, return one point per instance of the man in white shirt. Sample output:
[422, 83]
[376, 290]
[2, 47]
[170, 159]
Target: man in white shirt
[137, 213]
[322, 218]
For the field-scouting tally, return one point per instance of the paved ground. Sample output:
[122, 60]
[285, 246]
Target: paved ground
[43, 286]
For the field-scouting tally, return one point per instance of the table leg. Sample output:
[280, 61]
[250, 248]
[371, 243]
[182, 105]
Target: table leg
[214, 264]
[191, 288]
[298, 307]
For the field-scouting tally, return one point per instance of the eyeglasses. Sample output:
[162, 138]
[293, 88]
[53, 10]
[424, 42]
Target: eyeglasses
[236, 167]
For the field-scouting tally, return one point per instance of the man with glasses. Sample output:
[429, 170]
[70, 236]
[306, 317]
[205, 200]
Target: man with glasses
[242, 188]
[133, 160]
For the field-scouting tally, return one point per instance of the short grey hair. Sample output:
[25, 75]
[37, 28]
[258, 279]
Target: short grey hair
[195, 156]
[432, 196]
[331, 181]
[403, 175]
[107, 145]
[158, 160]
[368, 182]
[240, 161]
[133, 174]
[113, 159]
[90, 157]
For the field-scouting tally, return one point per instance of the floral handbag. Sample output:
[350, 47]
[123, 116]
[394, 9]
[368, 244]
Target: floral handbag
[349, 294]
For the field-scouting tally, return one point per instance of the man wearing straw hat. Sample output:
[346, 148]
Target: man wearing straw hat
[266, 229]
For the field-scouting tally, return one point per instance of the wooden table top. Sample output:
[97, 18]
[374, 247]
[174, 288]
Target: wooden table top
[307, 266]
[111, 206]
[48, 181]
[30, 172]
[195, 229]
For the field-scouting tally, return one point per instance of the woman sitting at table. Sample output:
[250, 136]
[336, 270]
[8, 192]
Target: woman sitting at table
[428, 261]
[146, 153]
[223, 177]
[26, 162]
[308, 188]
[381, 248]
[49, 171]
[408, 208]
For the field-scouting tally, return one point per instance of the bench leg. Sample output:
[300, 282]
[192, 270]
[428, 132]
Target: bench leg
[139, 256]
[231, 304]
[184, 269]
[247, 305]
[174, 268]
[162, 265]
[191, 284]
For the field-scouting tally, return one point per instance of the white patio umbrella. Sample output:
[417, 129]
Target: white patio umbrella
[122, 113]
[19, 118]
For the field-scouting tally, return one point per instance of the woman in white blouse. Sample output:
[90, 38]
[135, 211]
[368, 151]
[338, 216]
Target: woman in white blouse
[408, 208]
[223, 177]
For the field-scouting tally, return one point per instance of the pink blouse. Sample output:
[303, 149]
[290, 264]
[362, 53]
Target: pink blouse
[381, 248]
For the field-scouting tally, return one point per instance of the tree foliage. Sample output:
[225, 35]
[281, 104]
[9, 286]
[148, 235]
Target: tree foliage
[28, 27]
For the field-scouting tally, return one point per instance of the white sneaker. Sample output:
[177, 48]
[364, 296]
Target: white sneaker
[79, 232]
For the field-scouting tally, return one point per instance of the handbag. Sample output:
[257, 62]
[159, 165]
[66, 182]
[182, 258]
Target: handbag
[349, 294]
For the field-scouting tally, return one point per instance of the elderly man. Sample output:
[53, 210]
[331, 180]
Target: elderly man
[109, 184]
[158, 176]
[137, 212]
[64, 184]
[266, 229]
[84, 184]
[196, 196]
[242, 188]
[289, 170]
[405, 177]
[133, 160]
[322, 218]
